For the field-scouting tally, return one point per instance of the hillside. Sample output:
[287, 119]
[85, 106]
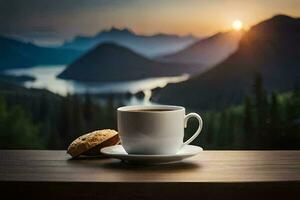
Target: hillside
[112, 62]
[150, 46]
[208, 51]
[15, 79]
[16, 54]
[270, 48]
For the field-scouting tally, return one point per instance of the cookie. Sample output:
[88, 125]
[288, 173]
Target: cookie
[91, 143]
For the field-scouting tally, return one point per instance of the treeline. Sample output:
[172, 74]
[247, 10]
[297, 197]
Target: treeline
[263, 121]
[42, 121]
[38, 119]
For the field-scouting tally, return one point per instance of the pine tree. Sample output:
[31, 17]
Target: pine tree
[210, 129]
[17, 131]
[293, 107]
[292, 122]
[261, 108]
[223, 130]
[111, 114]
[88, 112]
[275, 121]
[230, 139]
[248, 123]
[66, 120]
[77, 118]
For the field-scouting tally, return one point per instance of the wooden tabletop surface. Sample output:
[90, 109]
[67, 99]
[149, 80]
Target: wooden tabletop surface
[208, 166]
[209, 175]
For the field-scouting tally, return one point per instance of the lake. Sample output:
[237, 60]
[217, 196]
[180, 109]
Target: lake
[46, 79]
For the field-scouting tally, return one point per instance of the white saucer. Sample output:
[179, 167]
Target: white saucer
[118, 152]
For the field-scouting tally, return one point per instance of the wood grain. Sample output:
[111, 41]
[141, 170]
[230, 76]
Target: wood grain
[243, 174]
[208, 166]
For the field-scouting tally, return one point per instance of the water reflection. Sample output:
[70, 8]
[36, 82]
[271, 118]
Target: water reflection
[46, 79]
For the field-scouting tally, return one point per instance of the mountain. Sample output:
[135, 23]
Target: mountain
[270, 48]
[15, 79]
[149, 46]
[16, 54]
[208, 51]
[112, 62]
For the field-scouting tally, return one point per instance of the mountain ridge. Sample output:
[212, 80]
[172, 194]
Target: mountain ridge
[147, 45]
[113, 62]
[18, 54]
[208, 51]
[270, 48]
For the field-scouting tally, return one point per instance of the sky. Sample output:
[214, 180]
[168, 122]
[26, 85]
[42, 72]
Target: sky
[53, 21]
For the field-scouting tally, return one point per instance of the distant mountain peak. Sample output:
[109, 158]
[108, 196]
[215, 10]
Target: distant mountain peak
[147, 45]
[116, 31]
[279, 22]
[122, 30]
[113, 62]
[112, 45]
[229, 32]
[281, 17]
[208, 51]
[18, 54]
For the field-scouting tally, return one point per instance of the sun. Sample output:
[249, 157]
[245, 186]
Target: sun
[237, 25]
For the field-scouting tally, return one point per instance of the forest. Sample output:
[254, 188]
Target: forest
[262, 121]
[43, 120]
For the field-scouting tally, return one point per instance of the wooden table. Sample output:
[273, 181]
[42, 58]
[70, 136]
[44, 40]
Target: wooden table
[210, 175]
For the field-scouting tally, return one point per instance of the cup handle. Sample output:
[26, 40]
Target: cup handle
[186, 118]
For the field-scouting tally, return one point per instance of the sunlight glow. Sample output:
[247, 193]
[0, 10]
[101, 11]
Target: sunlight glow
[237, 25]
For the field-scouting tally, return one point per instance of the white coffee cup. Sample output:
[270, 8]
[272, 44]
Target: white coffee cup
[154, 130]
